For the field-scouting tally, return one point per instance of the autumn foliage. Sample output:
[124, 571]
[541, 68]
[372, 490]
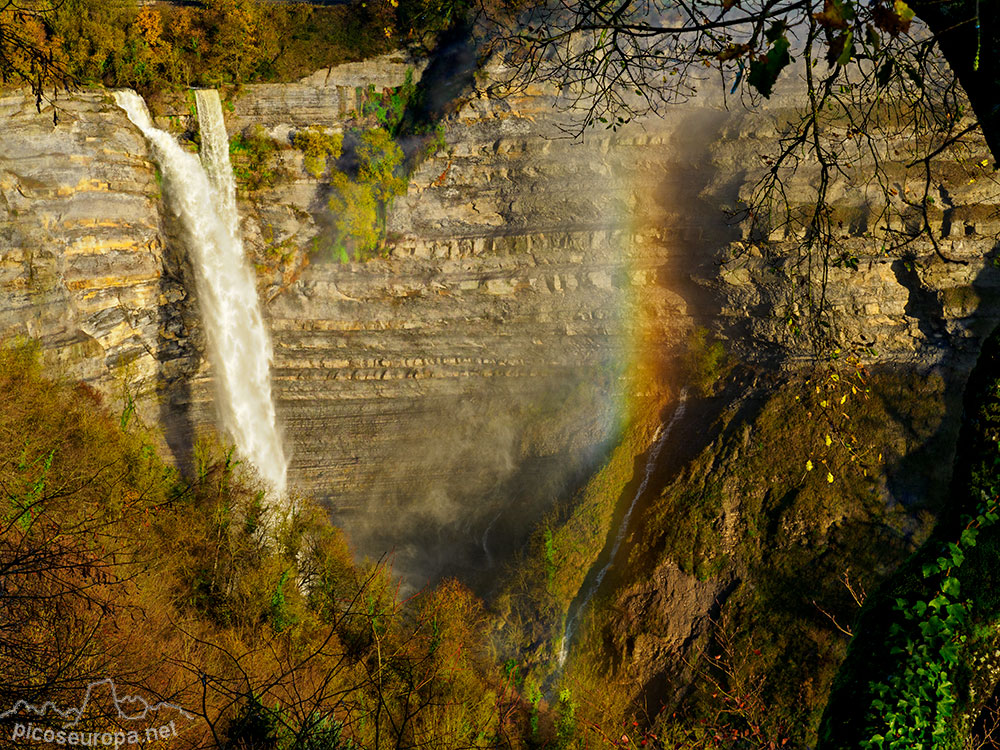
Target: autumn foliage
[113, 565]
[164, 47]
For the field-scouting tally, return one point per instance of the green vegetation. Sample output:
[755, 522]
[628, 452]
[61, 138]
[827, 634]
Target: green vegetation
[436, 142]
[252, 155]
[705, 362]
[359, 205]
[915, 704]
[782, 521]
[389, 107]
[360, 202]
[154, 48]
[920, 670]
[424, 20]
[160, 48]
[317, 145]
[541, 586]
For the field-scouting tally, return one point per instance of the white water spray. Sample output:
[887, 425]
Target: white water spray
[204, 199]
[659, 440]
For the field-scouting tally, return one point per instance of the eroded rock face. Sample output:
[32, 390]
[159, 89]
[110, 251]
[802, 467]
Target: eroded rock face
[441, 399]
[888, 297]
[81, 250]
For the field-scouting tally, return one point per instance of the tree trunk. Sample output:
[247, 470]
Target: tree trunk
[969, 31]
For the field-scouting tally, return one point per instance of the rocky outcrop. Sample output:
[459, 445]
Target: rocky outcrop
[889, 293]
[80, 242]
[443, 397]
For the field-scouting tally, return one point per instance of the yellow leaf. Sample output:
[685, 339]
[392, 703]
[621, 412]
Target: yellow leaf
[809, 465]
[843, 399]
[829, 442]
[903, 11]
[824, 402]
[829, 477]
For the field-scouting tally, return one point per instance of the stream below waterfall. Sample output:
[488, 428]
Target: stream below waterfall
[660, 439]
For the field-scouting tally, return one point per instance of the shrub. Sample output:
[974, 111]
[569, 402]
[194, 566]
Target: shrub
[705, 362]
[359, 206]
[252, 154]
[355, 210]
[379, 161]
[318, 145]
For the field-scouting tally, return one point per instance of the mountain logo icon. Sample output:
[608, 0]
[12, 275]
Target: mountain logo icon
[127, 719]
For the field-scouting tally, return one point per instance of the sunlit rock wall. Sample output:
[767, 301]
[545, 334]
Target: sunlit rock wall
[890, 293]
[80, 245]
[442, 398]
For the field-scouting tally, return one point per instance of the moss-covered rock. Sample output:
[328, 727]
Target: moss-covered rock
[745, 574]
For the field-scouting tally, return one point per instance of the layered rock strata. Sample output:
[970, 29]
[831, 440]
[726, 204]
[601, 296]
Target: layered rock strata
[443, 397]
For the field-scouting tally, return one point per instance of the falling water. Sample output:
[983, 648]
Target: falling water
[660, 439]
[215, 159]
[204, 199]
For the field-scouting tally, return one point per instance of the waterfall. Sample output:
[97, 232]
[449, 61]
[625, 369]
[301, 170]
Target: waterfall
[215, 158]
[239, 350]
[659, 440]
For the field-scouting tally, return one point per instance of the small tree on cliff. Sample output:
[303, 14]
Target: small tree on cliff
[359, 205]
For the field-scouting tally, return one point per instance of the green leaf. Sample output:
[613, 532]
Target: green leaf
[845, 56]
[930, 569]
[968, 537]
[951, 586]
[931, 627]
[957, 613]
[949, 652]
[775, 32]
[904, 11]
[764, 73]
[835, 15]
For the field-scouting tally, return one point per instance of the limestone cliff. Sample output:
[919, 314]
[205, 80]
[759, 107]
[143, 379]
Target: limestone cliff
[443, 397]
[80, 241]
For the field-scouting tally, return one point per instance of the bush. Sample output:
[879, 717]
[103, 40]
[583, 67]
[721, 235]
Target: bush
[379, 161]
[359, 206]
[318, 145]
[113, 566]
[355, 210]
[252, 156]
[705, 362]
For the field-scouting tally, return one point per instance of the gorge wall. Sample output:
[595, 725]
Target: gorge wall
[442, 398]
